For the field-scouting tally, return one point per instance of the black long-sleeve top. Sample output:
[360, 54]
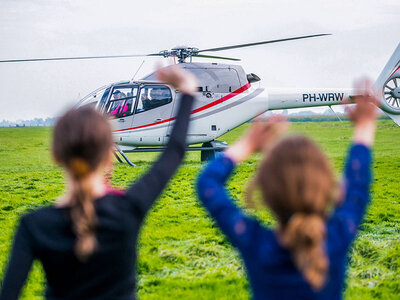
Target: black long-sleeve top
[46, 234]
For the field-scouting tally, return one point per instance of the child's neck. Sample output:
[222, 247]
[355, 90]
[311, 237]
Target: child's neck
[94, 180]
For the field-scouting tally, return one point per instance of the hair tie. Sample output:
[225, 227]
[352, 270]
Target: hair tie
[79, 167]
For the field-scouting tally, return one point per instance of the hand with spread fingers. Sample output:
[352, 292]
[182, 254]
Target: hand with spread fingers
[363, 114]
[258, 138]
[179, 78]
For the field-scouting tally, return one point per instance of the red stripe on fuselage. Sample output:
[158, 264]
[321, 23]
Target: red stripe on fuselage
[394, 71]
[216, 102]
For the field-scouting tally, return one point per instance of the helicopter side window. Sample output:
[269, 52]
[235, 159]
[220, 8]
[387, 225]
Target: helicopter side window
[152, 97]
[121, 103]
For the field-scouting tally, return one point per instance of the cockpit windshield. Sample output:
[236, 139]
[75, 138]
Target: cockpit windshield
[93, 98]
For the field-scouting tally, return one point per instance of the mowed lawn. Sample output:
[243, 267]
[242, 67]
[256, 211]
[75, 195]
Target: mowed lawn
[182, 255]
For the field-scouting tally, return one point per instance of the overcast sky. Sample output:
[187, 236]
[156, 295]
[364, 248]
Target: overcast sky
[365, 33]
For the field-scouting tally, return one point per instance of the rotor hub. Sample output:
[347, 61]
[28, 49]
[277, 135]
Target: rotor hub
[182, 53]
[396, 92]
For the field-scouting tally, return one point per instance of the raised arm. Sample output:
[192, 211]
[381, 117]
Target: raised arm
[343, 225]
[146, 190]
[19, 264]
[240, 229]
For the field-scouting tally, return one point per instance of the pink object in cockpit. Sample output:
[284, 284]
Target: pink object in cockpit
[115, 111]
[125, 109]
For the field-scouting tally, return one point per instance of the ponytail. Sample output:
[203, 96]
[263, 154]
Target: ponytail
[304, 236]
[82, 210]
[82, 142]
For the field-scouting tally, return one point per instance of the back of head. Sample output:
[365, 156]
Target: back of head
[82, 134]
[296, 182]
[81, 144]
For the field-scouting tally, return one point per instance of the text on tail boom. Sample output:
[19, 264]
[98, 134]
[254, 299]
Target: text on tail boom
[323, 97]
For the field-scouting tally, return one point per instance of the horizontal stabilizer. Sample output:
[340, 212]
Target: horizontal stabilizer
[395, 118]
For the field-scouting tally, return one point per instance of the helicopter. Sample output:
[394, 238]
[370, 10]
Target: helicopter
[143, 111]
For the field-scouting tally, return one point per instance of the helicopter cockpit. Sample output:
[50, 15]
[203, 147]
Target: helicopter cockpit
[124, 99]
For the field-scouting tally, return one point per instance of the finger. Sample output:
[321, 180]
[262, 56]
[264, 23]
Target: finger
[259, 117]
[376, 101]
[346, 101]
[364, 85]
[274, 128]
[281, 126]
[161, 72]
[349, 110]
[171, 61]
[377, 95]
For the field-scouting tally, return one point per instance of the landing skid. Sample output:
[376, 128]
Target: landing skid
[208, 151]
[122, 153]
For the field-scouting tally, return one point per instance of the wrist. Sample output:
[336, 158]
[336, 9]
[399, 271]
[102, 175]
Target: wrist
[364, 133]
[187, 89]
[239, 151]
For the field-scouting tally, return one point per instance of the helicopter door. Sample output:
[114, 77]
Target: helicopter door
[120, 107]
[154, 105]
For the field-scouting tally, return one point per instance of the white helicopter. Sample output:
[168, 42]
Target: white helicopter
[142, 111]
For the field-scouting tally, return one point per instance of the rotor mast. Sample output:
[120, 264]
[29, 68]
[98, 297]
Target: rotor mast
[182, 53]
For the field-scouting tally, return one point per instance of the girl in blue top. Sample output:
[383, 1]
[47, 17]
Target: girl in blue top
[305, 257]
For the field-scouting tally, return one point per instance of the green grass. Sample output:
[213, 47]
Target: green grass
[182, 255]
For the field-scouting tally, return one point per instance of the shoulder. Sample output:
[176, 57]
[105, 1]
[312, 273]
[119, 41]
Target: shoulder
[40, 212]
[114, 202]
[43, 215]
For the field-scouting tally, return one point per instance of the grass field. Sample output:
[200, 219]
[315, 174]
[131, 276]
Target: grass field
[182, 254]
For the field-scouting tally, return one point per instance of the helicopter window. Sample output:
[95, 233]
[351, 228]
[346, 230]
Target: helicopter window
[103, 98]
[152, 97]
[121, 102]
[217, 79]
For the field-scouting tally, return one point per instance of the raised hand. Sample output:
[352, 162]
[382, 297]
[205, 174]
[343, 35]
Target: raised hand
[363, 114]
[179, 78]
[258, 138]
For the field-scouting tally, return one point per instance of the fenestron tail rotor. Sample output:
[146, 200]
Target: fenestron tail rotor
[392, 92]
[182, 53]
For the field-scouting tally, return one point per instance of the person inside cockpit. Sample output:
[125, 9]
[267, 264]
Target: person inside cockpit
[117, 106]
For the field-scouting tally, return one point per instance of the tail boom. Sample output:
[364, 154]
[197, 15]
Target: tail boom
[286, 99]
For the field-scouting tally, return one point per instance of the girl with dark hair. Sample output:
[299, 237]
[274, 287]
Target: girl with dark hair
[87, 241]
[305, 257]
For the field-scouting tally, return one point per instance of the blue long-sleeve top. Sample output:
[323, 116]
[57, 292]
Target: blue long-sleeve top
[270, 268]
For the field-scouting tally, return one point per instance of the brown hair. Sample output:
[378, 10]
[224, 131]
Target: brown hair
[297, 183]
[81, 143]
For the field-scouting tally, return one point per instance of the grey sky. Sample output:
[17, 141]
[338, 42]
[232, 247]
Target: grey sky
[365, 35]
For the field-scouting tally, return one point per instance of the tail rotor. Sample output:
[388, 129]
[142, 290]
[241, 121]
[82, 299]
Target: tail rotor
[388, 83]
[391, 92]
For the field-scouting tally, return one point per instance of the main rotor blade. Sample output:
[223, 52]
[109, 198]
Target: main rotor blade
[77, 58]
[265, 42]
[218, 57]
